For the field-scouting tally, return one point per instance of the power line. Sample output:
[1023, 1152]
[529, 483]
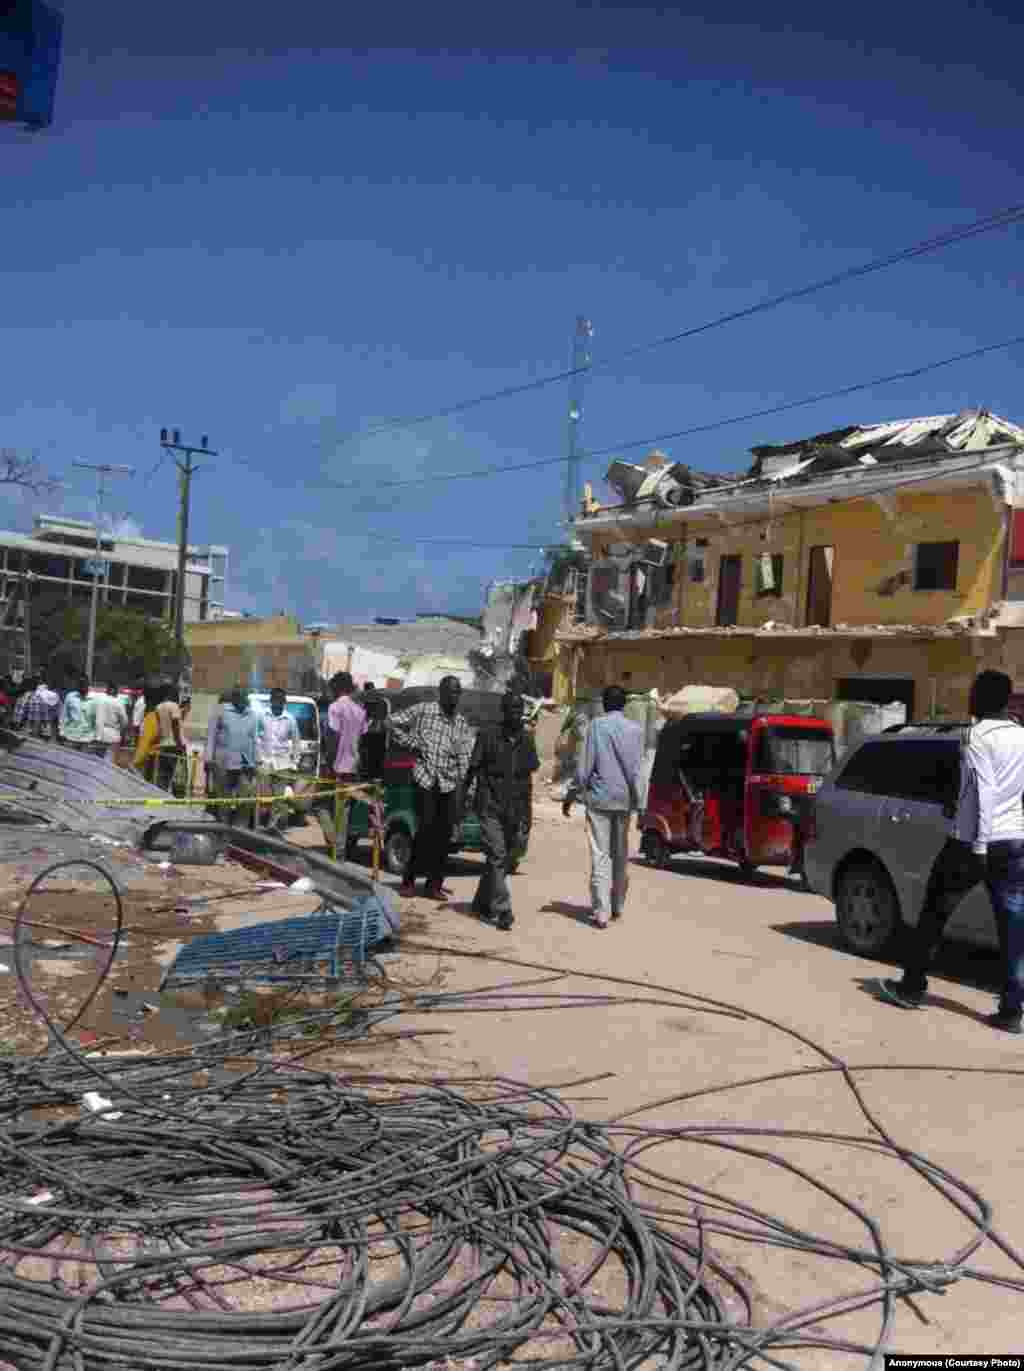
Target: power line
[693, 511]
[692, 430]
[447, 542]
[1001, 219]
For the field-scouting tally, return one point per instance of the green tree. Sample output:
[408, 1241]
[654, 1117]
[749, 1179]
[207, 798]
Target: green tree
[130, 646]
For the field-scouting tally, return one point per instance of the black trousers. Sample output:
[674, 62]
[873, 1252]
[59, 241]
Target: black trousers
[436, 812]
[499, 834]
[956, 872]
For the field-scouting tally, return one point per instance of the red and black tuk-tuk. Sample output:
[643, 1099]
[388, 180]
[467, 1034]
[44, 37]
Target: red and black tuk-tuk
[734, 786]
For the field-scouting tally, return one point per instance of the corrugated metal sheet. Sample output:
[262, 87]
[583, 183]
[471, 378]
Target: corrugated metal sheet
[61, 787]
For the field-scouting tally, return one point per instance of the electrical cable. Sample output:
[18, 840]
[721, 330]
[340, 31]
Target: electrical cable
[692, 430]
[1000, 219]
[290, 1218]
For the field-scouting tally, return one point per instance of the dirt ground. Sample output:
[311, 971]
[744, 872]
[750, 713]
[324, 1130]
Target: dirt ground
[767, 948]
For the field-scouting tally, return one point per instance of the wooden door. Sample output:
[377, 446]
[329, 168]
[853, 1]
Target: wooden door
[729, 579]
[819, 587]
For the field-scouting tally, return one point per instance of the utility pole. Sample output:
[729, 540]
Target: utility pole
[102, 470]
[170, 441]
[26, 623]
[581, 360]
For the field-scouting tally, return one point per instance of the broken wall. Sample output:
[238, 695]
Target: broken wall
[873, 562]
[940, 670]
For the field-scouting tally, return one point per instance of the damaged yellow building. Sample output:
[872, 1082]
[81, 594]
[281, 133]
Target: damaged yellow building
[879, 564]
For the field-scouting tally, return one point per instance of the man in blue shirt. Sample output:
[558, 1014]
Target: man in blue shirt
[608, 781]
[231, 752]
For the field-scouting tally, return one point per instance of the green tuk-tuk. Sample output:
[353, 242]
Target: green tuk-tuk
[393, 769]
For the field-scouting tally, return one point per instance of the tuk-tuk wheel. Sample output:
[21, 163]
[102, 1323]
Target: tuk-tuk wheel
[654, 848]
[397, 851]
[747, 869]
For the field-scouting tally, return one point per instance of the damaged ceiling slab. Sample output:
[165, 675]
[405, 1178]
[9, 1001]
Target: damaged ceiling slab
[969, 627]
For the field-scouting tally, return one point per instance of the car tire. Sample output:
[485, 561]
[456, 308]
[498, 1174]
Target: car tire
[867, 909]
[654, 848]
[397, 850]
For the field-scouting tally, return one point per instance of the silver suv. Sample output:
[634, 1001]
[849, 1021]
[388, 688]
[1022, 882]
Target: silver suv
[874, 829]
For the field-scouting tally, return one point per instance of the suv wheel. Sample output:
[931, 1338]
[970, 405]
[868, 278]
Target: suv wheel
[867, 909]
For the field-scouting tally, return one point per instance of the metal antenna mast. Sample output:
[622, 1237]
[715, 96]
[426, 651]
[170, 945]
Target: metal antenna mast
[581, 360]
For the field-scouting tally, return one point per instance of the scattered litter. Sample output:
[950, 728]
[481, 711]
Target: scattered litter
[195, 849]
[98, 1103]
[303, 886]
[4, 966]
[164, 866]
[107, 842]
[44, 1197]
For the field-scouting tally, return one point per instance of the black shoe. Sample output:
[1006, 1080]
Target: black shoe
[1009, 1020]
[505, 922]
[897, 992]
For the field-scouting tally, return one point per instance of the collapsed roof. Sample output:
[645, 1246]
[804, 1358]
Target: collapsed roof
[673, 485]
[941, 435]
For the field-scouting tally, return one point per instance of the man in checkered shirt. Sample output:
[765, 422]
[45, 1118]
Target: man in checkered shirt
[442, 744]
[38, 710]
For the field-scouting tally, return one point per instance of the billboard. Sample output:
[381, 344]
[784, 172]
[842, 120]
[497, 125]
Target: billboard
[30, 45]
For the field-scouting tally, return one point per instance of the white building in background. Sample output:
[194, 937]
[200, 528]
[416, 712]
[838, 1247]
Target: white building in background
[134, 572]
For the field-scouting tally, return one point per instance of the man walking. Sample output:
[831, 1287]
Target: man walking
[986, 843]
[442, 744]
[608, 781]
[278, 744]
[529, 762]
[502, 756]
[111, 722]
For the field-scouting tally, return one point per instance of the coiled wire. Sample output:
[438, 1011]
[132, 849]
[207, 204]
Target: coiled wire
[288, 1219]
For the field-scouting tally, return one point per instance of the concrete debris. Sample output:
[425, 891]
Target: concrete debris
[700, 699]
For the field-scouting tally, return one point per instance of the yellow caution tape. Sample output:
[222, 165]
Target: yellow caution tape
[201, 801]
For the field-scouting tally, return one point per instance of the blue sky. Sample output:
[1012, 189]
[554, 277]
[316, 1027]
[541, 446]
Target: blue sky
[256, 221]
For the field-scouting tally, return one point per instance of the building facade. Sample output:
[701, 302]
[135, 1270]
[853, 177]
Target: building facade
[136, 572]
[879, 564]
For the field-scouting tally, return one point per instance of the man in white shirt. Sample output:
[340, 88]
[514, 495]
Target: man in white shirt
[111, 722]
[986, 843]
[139, 710]
[277, 745]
